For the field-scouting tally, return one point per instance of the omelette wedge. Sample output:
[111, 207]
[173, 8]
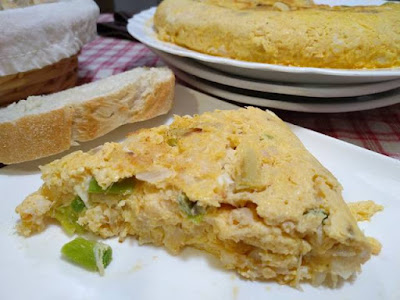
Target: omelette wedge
[238, 184]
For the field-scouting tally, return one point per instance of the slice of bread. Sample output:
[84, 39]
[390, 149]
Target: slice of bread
[41, 126]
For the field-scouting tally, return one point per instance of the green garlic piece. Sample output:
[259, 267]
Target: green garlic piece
[68, 218]
[94, 187]
[91, 255]
[318, 212]
[193, 211]
[122, 187]
[78, 205]
[172, 142]
[266, 136]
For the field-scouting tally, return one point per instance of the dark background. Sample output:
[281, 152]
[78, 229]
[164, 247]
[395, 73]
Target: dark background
[133, 6]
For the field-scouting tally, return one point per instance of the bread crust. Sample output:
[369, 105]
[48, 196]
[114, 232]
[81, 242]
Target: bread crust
[315, 36]
[45, 134]
[36, 136]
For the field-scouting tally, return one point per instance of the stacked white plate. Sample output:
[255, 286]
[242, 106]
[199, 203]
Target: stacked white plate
[274, 86]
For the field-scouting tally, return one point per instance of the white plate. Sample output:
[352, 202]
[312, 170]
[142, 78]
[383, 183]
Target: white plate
[288, 102]
[190, 66]
[32, 268]
[140, 26]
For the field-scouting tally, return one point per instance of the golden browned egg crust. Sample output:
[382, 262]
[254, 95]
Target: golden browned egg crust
[238, 184]
[291, 32]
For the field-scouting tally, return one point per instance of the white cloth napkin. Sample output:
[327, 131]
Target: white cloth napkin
[36, 36]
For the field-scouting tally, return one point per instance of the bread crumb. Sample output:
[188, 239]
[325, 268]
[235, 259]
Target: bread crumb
[137, 267]
[235, 291]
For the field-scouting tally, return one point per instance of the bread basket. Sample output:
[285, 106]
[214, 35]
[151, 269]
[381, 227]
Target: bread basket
[40, 54]
[49, 79]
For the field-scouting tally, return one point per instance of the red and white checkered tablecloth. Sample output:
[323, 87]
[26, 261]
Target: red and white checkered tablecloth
[377, 129]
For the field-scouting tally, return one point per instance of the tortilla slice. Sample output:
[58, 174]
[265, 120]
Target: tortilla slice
[238, 184]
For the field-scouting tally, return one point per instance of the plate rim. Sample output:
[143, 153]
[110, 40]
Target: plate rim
[205, 87]
[324, 90]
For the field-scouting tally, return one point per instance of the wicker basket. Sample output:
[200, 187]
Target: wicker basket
[49, 79]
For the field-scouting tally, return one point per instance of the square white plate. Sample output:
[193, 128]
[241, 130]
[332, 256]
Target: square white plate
[32, 268]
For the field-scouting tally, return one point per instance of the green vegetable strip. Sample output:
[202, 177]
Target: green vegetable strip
[94, 187]
[122, 187]
[91, 255]
[78, 205]
[107, 256]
